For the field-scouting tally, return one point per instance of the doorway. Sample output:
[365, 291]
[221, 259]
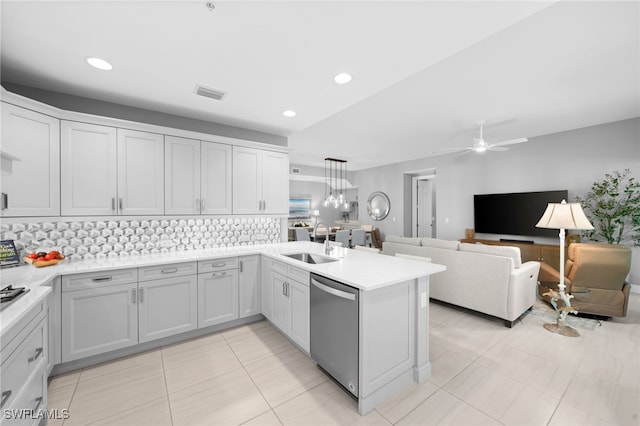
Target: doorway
[423, 203]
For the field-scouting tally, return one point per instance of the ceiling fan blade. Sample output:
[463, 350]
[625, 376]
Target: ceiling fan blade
[459, 148]
[498, 148]
[510, 142]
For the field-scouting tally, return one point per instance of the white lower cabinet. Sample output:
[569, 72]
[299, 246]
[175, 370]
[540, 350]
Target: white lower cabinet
[217, 292]
[249, 286]
[99, 319]
[167, 306]
[291, 303]
[266, 287]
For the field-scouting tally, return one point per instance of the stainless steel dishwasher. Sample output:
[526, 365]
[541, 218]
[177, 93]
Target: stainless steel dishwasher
[334, 330]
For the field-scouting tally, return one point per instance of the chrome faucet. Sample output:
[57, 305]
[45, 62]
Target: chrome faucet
[327, 246]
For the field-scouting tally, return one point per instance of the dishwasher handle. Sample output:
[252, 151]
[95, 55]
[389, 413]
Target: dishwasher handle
[334, 291]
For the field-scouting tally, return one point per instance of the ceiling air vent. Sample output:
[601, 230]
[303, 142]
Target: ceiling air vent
[210, 93]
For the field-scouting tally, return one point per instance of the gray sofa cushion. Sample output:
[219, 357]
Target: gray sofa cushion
[442, 244]
[403, 240]
[505, 251]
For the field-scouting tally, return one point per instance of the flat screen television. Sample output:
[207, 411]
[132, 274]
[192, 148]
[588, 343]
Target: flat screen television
[514, 213]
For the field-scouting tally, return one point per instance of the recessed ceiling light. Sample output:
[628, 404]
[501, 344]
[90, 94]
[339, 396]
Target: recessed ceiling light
[342, 78]
[289, 113]
[101, 64]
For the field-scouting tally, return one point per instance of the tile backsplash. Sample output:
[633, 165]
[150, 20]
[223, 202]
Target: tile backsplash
[104, 239]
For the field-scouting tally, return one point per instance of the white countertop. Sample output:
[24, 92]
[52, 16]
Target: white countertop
[363, 270]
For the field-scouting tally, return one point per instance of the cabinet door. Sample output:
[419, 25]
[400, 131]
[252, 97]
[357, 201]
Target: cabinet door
[299, 331]
[182, 176]
[249, 286]
[88, 169]
[140, 173]
[167, 306]
[247, 180]
[217, 297]
[216, 178]
[267, 288]
[99, 320]
[281, 303]
[275, 182]
[31, 181]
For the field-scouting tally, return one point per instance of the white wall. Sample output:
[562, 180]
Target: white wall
[570, 160]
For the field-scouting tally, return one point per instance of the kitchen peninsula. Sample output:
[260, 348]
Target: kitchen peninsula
[393, 306]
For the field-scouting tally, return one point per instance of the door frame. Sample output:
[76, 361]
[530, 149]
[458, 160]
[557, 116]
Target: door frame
[414, 202]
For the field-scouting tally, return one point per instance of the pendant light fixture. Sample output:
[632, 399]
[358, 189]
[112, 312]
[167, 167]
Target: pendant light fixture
[335, 174]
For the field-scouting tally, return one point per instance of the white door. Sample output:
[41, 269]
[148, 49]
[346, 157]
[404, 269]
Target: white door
[167, 306]
[424, 208]
[249, 285]
[267, 288]
[182, 175]
[281, 303]
[247, 180]
[31, 181]
[88, 169]
[275, 182]
[216, 178]
[99, 320]
[299, 295]
[217, 297]
[140, 173]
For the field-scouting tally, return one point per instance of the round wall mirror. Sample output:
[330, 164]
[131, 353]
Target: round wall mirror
[378, 205]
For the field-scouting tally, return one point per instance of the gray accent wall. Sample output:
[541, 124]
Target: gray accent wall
[570, 160]
[123, 112]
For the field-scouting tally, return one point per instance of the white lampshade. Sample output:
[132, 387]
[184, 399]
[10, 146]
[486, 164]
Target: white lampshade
[564, 216]
[315, 213]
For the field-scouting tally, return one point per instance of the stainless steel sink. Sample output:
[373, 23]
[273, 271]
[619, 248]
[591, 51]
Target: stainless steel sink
[311, 258]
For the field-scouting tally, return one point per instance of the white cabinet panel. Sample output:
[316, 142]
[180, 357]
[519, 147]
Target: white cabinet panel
[216, 178]
[249, 286]
[31, 185]
[98, 320]
[267, 287]
[140, 173]
[275, 182]
[182, 175]
[281, 316]
[247, 180]
[88, 169]
[217, 297]
[299, 331]
[167, 306]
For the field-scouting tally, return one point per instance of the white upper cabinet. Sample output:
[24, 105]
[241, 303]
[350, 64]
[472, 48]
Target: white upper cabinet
[182, 175]
[216, 178]
[89, 169]
[30, 148]
[260, 181]
[140, 173]
[107, 171]
[197, 177]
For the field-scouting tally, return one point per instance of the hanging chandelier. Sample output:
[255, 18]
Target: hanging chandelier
[335, 175]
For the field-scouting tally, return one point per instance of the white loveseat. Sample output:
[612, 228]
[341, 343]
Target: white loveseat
[488, 279]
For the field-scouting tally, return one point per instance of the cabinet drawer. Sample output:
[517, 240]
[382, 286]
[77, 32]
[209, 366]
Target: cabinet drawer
[213, 265]
[279, 267]
[299, 275]
[167, 271]
[27, 406]
[99, 279]
[31, 355]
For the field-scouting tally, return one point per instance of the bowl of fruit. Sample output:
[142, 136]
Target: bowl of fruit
[42, 258]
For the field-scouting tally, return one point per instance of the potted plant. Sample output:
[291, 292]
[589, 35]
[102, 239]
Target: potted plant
[613, 208]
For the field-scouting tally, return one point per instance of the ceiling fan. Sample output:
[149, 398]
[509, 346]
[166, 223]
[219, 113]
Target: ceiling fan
[480, 145]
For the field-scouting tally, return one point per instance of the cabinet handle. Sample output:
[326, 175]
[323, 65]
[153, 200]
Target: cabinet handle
[169, 271]
[240, 266]
[133, 295]
[141, 296]
[198, 205]
[120, 204]
[113, 203]
[218, 265]
[202, 204]
[39, 352]
[5, 396]
[219, 275]
[102, 279]
[264, 205]
[38, 401]
[5, 201]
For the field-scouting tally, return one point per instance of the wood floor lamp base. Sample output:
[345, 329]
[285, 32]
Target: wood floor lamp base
[563, 330]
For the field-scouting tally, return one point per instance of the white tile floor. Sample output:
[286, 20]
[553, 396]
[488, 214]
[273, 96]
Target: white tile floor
[483, 374]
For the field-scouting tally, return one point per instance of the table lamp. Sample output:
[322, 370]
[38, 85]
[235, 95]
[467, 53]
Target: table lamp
[315, 215]
[563, 216]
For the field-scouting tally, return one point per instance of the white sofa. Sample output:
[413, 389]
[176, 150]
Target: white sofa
[488, 279]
